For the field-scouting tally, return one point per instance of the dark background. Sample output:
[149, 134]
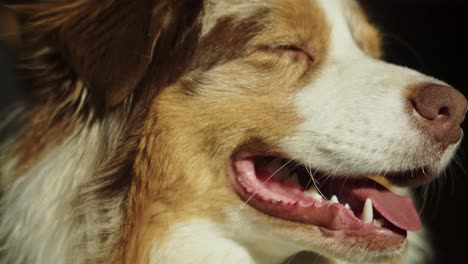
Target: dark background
[427, 35]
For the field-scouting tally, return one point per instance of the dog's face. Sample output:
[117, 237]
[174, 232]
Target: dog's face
[287, 102]
[301, 93]
[264, 111]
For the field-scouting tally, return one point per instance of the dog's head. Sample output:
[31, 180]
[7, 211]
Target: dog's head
[274, 119]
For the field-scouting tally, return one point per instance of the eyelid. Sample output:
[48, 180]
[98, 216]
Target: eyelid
[290, 47]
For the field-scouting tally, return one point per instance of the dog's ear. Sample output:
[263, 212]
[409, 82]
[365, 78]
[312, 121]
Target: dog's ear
[109, 44]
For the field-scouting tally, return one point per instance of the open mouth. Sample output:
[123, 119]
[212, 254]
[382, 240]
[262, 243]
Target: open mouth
[359, 206]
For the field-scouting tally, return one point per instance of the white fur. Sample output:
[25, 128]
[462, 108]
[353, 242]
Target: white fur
[237, 10]
[419, 250]
[39, 226]
[355, 111]
[236, 241]
[200, 241]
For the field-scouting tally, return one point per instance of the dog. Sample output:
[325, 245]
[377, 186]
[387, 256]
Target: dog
[217, 131]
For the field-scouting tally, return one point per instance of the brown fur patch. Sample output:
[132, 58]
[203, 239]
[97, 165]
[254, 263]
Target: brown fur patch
[94, 35]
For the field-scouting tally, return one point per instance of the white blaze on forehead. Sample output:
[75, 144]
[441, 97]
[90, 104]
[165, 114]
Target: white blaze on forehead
[237, 10]
[342, 44]
[355, 110]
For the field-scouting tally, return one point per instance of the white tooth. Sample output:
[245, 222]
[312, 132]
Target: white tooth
[347, 206]
[367, 212]
[313, 193]
[378, 222]
[334, 200]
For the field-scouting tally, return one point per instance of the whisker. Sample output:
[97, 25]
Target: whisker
[316, 184]
[312, 176]
[423, 171]
[423, 197]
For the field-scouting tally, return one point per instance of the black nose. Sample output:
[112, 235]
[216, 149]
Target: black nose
[439, 110]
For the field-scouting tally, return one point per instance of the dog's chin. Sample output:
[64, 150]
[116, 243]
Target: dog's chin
[354, 215]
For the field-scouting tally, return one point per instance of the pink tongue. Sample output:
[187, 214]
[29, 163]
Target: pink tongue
[398, 210]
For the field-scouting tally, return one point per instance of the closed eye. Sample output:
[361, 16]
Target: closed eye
[296, 49]
[288, 48]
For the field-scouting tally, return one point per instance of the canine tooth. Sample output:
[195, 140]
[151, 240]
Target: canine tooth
[367, 212]
[334, 200]
[347, 206]
[313, 193]
[378, 222]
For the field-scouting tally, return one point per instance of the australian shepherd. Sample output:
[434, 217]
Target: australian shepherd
[216, 131]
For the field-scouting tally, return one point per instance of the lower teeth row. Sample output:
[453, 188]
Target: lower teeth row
[367, 215]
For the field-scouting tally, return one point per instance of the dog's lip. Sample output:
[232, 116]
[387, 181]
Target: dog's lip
[332, 219]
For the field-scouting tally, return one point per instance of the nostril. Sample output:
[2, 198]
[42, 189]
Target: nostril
[433, 102]
[430, 108]
[444, 112]
[439, 110]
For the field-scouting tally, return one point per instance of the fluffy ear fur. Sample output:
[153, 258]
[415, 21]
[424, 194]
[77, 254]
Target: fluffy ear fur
[108, 44]
[81, 59]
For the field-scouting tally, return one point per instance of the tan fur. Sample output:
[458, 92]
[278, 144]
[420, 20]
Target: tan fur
[366, 35]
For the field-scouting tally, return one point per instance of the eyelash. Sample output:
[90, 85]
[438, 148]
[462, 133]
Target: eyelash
[289, 48]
